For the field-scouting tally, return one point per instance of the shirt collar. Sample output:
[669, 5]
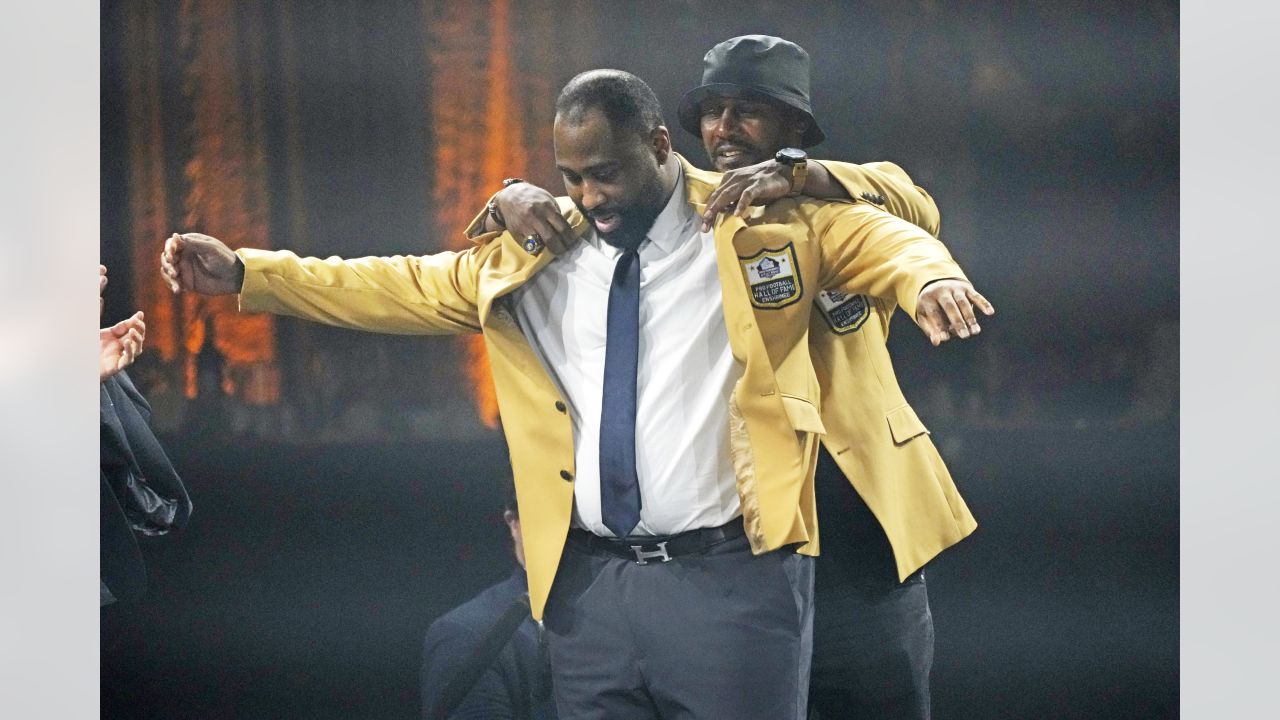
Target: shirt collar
[668, 228]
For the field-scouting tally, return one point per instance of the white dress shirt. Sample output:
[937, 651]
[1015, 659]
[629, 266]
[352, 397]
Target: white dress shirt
[686, 370]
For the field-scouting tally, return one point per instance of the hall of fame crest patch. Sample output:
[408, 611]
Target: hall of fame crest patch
[773, 277]
[844, 313]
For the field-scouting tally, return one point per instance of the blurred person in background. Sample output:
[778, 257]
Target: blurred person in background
[485, 659]
[139, 490]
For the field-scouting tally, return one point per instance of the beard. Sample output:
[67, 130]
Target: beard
[630, 223]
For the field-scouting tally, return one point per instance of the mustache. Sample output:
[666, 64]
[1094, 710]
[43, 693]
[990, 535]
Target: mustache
[734, 144]
[599, 212]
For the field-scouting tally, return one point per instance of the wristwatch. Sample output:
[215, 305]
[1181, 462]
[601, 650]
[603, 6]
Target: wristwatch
[492, 207]
[798, 161]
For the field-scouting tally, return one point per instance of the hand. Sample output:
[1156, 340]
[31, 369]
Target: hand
[529, 210]
[945, 307]
[102, 285]
[758, 184]
[202, 264]
[121, 345]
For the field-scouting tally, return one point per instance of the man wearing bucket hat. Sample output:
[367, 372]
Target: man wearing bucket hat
[754, 102]
[873, 630]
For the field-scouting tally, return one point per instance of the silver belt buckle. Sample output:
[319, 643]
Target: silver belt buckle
[643, 557]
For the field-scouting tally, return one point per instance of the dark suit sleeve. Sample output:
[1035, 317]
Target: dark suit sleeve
[446, 647]
[136, 467]
[490, 699]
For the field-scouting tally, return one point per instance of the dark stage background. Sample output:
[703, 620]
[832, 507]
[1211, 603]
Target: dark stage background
[346, 486]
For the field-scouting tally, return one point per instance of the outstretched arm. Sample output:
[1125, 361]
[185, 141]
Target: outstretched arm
[431, 294]
[869, 251]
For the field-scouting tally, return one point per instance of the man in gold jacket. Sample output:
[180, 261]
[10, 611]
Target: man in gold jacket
[707, 622]
[873, 647]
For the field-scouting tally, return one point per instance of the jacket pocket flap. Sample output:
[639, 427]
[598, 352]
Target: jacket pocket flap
[904, 424]
[803, 415]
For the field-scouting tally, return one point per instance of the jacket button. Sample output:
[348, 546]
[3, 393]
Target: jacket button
[560, 406]
[566, 474]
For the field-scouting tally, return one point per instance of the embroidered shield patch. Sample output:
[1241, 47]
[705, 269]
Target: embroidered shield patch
[773, 277]
[844, 313]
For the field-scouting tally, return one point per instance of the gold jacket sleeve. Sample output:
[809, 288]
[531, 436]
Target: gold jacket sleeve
[422, 295]
[867, 250]
[902, 197]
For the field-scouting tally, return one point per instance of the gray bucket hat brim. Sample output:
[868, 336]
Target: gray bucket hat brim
[689, 110]
[760, 66]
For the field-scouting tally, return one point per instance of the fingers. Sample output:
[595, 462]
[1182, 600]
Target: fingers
[740, 189]
[545, 230]
[966, 313]
[933, 329]
[133, 341]
[562, 237]
[723, 198]
[130, 348]
[746, 200]
[560, 226]
[133, 322]
[958, 304]
[953, 318]
[977, 299]
[169, 262]
[142, 335]
[544, 220]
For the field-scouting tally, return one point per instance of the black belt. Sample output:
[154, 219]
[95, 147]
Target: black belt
[662, 548]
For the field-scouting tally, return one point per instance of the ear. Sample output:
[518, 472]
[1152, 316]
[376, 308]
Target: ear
[660, 139]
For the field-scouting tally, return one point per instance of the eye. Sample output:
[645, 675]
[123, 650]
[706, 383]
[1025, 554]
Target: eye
[606, 175]
[712, 111]
[570, 178]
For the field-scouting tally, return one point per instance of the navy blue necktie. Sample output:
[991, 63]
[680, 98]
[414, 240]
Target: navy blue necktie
[619, 486]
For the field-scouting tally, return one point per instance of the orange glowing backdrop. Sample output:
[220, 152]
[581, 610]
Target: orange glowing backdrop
[224, 175]
[473, 57]
[200, 159]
